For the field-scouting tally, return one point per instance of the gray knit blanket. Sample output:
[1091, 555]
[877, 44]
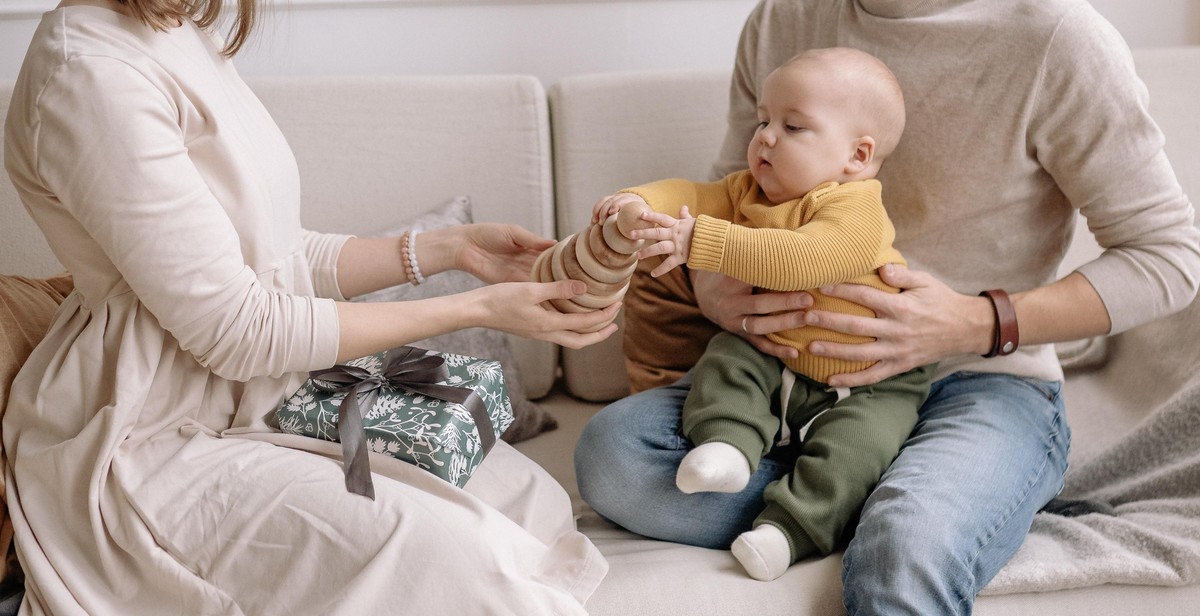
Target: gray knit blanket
[1151, 533]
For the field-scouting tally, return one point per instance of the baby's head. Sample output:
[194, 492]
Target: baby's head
[826, 115]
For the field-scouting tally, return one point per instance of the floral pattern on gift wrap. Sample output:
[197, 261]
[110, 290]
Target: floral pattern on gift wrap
[434, 435]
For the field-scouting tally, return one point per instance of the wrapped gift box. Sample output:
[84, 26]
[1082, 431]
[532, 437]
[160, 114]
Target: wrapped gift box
[434, 434]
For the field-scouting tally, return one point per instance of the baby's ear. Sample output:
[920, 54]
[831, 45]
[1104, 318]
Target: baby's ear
[862, 156]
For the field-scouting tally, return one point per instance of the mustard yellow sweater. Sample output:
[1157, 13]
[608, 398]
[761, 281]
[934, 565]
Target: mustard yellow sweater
[835, 233]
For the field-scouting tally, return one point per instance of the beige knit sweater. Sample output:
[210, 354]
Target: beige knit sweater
[1022, 114]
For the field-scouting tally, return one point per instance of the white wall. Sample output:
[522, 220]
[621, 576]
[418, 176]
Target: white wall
[547, 38]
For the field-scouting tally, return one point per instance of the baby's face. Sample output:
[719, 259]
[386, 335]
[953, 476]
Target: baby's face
[804, 137]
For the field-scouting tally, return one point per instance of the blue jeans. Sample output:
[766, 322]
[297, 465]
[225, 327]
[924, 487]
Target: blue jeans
[988, 451]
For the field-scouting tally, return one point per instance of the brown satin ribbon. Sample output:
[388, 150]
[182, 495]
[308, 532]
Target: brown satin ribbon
[405, 368]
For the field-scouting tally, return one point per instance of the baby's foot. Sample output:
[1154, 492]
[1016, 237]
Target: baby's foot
[763, 552]
[713, 467]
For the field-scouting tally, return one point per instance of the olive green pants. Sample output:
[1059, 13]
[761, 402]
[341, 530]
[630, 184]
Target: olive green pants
[736, 399]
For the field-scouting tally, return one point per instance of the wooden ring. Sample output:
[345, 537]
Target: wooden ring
[591, 300]
[603, 254]
[540, 272]
[567, 306]
[600, 280]
[556, 264]
[617, 241]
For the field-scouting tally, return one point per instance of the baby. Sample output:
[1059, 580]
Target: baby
[807, 214]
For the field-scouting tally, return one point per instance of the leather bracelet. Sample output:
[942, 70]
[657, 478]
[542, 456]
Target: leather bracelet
[1006, 337]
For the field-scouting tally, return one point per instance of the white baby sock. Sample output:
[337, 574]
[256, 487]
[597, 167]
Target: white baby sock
[763, 552]
[713, 467]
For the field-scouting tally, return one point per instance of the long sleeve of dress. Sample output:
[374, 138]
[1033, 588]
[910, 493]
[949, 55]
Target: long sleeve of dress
[120, 166]
[322, 250]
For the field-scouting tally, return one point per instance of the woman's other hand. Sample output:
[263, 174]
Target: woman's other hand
[612, 204]
[498, 252]
[522, 309]
[733, 305]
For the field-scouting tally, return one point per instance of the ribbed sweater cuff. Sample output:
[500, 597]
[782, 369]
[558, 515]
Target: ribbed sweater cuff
[708, 243]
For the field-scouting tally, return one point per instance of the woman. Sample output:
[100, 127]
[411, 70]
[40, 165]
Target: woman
[144, 479]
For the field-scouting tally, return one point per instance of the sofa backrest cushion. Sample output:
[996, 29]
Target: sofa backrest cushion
[376, 151]
[615, 130]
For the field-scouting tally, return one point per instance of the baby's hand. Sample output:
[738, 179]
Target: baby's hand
[672, 237]
[612, 204]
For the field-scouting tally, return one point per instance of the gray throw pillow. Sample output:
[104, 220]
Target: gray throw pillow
[530, 418]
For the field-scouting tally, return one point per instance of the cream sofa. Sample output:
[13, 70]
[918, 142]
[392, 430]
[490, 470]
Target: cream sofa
[375, 151]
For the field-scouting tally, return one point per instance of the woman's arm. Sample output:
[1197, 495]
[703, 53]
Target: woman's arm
[494, 253]
[515, 308]
[491, 252]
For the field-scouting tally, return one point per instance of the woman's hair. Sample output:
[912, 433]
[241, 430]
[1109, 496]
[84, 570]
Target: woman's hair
[164, 14]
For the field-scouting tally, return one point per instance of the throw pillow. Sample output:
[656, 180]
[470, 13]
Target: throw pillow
[530, 418]
[27, 307]
[665, 333]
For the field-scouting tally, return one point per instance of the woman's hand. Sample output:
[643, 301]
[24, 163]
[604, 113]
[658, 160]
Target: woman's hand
[610, 205]
[515, 307]
[520, 308]
[672, 237]
[733, 305]
[925, 323]
[498, 252]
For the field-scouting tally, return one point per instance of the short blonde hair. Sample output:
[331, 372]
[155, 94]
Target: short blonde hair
[164, 14]
[876, 94]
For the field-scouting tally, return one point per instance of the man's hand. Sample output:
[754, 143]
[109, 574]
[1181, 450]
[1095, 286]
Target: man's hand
[925, 323]
[733, 305]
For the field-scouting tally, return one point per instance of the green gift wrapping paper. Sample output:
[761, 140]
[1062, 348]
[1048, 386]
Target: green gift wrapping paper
[433, 434]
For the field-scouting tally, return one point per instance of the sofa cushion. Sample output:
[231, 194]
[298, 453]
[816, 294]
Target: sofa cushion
[530, 419]
[616, 130]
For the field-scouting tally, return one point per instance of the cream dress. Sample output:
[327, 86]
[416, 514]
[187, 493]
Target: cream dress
[142, 476]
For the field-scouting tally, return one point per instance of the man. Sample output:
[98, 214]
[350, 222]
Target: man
[1020, 114]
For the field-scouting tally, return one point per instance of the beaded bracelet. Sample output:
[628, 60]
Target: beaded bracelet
[408, 250]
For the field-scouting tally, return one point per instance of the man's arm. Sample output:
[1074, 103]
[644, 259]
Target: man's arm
[743, 99]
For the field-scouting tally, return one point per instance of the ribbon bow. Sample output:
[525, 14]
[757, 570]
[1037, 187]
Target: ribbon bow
[405, 368]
